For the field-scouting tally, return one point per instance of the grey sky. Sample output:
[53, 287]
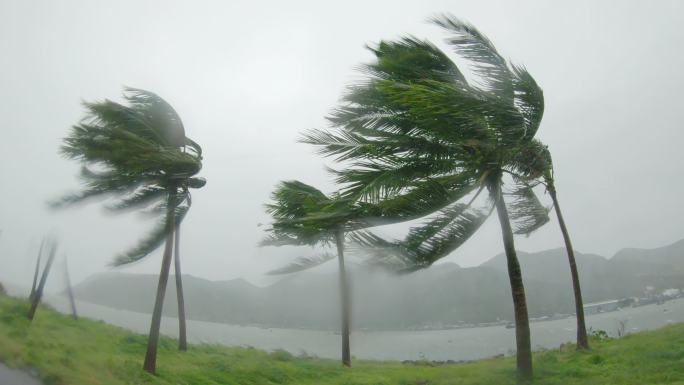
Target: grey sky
[248, 76]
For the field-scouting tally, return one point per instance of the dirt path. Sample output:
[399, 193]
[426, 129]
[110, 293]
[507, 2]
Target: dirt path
[15, 377]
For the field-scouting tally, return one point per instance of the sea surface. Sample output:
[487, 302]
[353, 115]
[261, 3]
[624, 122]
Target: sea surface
[439, 345]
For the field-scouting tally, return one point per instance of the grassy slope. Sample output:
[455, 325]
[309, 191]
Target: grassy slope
[71, 352]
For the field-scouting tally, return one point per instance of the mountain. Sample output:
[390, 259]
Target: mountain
[653, 261]
[626, 274]
[443, 295]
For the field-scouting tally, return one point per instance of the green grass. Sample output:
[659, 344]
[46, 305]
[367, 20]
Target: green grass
[69, 352]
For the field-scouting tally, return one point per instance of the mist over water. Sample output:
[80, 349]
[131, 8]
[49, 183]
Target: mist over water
[437, 345]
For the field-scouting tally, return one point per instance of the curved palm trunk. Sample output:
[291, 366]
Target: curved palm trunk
[37, 271]
[344, 296]
[582, 340]
[522, 324]
[182, 336]
[43, 278]
[150, 364]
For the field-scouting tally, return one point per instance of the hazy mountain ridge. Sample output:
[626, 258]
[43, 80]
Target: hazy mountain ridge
[443, 295]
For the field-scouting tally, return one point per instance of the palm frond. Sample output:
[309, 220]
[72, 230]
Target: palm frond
[195, 182]
[303, 263]
[526, 211]
[141, 198]
[157, 114]
[532, 161]
[294, 199]
[440, 236]
[421, 198]
[152, 241]
[487, 63]
[529, 99]
[427, 243]
[411, 59]
[388, 255]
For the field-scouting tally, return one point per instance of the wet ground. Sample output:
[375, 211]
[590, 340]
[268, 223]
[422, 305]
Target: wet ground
[16, 377]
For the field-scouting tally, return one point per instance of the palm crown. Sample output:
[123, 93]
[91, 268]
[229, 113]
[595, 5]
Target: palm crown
[416, 127]
[139, 154]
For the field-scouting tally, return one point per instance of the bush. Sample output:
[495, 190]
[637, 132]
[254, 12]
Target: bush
[599, 335]
[281, 355]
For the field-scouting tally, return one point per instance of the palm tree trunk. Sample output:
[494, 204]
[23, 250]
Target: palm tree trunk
[522, 324]
[344, 296]
[582, 340]
[43, 278]
[182, 336]
[70, 292]
[37, 270]
[150, 364]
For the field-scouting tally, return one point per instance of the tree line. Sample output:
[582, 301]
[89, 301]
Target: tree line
[417, 139]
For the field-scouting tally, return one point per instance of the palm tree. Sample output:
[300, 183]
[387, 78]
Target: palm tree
[182, 333]
[139, 153]
[36, 270]
[303, 215]
[534, 163]
[417, 125]
[69, 289]
[38, 294]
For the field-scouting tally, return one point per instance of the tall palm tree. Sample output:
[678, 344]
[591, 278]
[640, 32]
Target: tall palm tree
[303, 215]
[157, 237]
[534, 163]
[139, 153]
[416, 124]
[182, 332]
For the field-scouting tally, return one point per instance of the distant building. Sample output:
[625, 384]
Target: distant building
[601, 307]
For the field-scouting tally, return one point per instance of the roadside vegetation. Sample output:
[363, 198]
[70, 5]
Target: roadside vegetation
[67, 351]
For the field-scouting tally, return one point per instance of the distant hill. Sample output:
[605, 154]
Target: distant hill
[626, 274]
[443, 295]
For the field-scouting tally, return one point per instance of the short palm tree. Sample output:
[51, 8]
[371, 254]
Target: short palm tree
[535, 164]
[417, 127]
[303, 215]
[37, 295]
[36, 270]
[139, 153]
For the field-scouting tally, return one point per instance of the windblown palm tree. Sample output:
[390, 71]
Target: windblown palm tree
[534, 163]
[36, 270]
[69, 290]
[140, 154]
[417, 129]
[303, 215]
[38, 294]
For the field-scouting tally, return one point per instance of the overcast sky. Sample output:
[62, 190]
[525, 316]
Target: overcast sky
[248, 76]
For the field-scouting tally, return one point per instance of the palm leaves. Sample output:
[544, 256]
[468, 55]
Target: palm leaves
[526, 211]
[416, 124]
[133, 152]
[303, 215]
[303, 263]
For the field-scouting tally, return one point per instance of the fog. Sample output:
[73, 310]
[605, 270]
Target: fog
[248, 77]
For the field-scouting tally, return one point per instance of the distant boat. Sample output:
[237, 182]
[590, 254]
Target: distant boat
[510, 325]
